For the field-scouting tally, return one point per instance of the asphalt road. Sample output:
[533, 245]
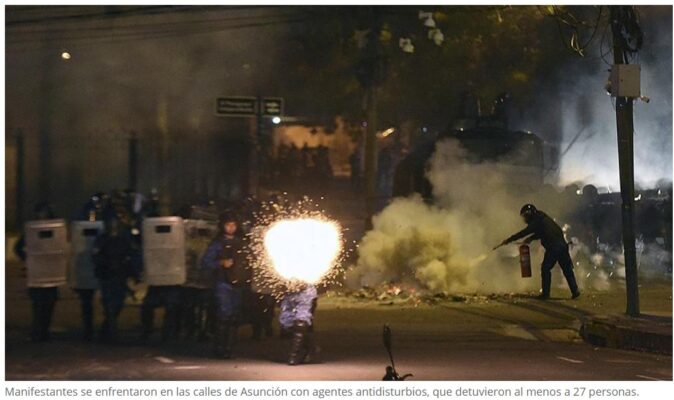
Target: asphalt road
[495, 339]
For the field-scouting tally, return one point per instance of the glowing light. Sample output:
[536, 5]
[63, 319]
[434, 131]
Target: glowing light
[65, 55]
[386, 133]
[276, 120]
[303, 249]
[293, 243]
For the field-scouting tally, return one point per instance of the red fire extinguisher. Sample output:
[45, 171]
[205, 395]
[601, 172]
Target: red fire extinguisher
[525, 261]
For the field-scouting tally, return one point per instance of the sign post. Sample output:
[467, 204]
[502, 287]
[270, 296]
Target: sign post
[247, 107]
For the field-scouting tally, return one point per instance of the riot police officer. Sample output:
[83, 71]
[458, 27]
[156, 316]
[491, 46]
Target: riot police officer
[226, 262]
[43, 295]
[541, 227]
[112, 255]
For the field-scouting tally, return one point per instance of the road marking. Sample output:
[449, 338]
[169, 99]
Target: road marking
[650, 378]
[164, 360]
[188, 367]
[571, 360]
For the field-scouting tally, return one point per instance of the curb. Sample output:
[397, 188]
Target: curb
[645, 333]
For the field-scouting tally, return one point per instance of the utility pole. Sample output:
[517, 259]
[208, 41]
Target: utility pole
[625, 125]
[371, 74]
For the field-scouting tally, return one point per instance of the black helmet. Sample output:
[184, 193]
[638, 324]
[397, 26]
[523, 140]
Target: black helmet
[528, 209]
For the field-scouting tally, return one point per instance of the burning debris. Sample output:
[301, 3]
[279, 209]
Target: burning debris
[389, 294]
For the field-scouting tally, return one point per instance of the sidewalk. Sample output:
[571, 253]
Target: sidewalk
[603, 322]
[650, 333]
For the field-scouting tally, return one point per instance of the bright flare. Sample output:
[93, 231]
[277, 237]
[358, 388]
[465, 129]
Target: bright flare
[303, 249]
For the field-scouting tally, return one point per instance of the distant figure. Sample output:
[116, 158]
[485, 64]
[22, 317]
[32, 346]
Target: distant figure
[323, 162]
[354, 163]
[541, 227]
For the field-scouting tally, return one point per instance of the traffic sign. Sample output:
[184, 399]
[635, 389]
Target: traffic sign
[236, 106]
[272, 106]
[248, 106]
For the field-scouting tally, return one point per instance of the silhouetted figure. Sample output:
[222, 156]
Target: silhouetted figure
[112, 255]
[541, 227]
[354, 163]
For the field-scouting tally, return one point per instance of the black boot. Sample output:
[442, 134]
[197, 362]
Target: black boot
[311, 349]
[298, 346]
[224, 338]
[220, 339]
[571, 281]
[233, 328]
[546, 281]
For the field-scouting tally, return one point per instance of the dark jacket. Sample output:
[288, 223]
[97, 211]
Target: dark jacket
[112, 257]
[221, 249]
[544, 228]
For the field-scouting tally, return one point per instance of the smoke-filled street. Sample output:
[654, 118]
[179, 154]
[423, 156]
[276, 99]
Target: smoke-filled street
[338, 192]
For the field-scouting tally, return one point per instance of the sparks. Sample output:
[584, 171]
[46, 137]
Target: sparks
[303, 249]
[293, 244]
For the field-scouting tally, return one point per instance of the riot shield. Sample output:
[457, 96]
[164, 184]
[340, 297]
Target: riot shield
[83, 234]
[47, 252]
[164, 251]
[199, 234]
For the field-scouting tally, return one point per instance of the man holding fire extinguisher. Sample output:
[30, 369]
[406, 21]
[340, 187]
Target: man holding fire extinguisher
[541, 227]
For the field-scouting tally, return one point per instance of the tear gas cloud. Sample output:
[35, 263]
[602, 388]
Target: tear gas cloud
[446, 246]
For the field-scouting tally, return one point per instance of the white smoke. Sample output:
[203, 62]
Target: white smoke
[589, 113]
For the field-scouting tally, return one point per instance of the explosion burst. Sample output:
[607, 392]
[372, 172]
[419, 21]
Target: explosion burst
[293, 244]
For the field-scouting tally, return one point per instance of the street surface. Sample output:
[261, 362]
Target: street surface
[499, 338]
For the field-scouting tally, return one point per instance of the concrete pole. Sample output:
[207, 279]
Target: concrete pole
[625, 125]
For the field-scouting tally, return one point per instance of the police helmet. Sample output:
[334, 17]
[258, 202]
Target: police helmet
[528, 210]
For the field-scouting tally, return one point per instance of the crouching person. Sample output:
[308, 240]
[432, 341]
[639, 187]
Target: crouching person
[297, 318]
[226, 262]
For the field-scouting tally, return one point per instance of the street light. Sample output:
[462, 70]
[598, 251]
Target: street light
[276, 120]
[65, 55]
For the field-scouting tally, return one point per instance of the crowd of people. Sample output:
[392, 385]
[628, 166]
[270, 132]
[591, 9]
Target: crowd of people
[216, 297]
[293, 165]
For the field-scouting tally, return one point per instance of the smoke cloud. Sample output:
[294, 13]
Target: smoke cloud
[573, 102]
[446, 246]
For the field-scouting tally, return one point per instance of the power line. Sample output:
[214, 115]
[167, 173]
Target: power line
[109, 13]
[103, 39]
[148, 25]
[177, 28]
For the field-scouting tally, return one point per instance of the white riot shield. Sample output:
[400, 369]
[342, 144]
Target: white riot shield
[83, 234]
[164, 251]
[47, 252]
[198, 234]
